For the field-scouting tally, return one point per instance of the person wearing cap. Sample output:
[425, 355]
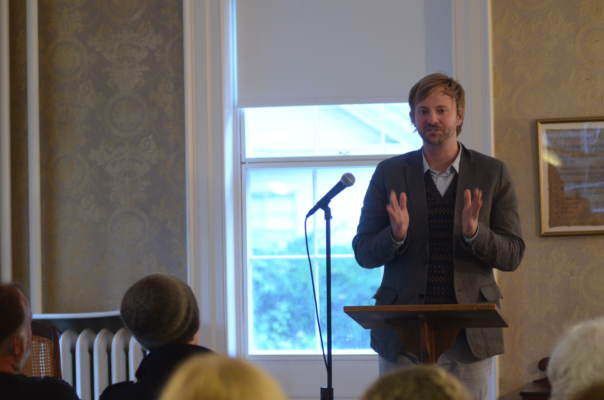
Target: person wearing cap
[161, 312]
[15, 347]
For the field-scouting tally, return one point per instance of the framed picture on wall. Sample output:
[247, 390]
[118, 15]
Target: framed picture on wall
[571, 175]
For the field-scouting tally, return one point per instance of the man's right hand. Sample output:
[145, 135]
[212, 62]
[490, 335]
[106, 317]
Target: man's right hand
[399, 216]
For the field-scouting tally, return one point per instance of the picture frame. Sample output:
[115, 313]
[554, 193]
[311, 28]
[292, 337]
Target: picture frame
[571, 175]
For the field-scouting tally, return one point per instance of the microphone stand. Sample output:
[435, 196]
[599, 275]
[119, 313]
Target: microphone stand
[327, 392]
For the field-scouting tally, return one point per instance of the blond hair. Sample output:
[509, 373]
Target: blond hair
[425, 86]
[218, 377]
[417, 382]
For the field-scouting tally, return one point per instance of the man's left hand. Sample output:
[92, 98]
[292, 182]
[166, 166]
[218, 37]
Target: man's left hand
[472, 203]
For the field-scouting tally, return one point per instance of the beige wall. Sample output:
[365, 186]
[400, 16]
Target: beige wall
[547, 61]
[112, 149]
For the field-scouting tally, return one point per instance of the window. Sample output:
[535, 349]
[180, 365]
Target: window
[291, 157]
[216, 42]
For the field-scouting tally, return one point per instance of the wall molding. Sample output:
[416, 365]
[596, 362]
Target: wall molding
[472, 66]
[33, 155]
[6, 261]
[204, 132]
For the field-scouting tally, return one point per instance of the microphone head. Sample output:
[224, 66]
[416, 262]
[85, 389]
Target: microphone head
[347, 179]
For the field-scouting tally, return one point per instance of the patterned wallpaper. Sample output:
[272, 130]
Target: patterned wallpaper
[112, 148]
[547, 58]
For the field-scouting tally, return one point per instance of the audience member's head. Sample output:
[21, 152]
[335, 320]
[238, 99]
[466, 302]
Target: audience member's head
[418, 382]
[577, 361]
[15, 328]
[159, 310]
[218, 377]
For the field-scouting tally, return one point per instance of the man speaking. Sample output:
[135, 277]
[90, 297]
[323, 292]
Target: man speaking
[439, 220]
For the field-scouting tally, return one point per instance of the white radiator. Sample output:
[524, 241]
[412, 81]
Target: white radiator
[91, 361]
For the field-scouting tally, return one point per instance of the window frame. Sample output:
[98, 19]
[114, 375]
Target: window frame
[213, 195]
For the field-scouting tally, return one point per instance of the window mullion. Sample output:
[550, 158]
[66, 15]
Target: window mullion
[340, 161]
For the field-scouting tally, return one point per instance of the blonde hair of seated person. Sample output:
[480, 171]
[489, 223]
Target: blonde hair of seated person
[417, 382]
[218, 377]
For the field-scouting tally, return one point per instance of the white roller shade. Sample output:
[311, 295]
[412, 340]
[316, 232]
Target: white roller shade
[297, 52]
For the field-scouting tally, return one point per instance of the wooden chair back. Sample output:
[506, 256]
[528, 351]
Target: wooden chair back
[45, 358]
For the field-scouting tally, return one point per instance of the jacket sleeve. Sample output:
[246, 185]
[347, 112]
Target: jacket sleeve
[373, 244]
[500, 245]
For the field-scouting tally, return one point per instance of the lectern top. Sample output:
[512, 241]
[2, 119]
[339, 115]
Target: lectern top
[480, 315]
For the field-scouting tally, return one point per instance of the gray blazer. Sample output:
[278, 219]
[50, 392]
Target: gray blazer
[498, 243]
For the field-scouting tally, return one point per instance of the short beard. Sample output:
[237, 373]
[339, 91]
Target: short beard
[446, 134]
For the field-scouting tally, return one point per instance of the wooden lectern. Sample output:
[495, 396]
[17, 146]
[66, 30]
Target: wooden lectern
[427, 330]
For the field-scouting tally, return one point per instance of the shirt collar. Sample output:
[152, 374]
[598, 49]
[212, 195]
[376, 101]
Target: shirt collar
[454, 167]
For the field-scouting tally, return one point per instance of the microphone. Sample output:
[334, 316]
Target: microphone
[345, 181]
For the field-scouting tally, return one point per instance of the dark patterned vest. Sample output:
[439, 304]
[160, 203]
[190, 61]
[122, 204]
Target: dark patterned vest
[441, 211]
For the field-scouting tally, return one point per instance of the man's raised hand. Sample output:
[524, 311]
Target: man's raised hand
[399, 216]
[472, 203]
